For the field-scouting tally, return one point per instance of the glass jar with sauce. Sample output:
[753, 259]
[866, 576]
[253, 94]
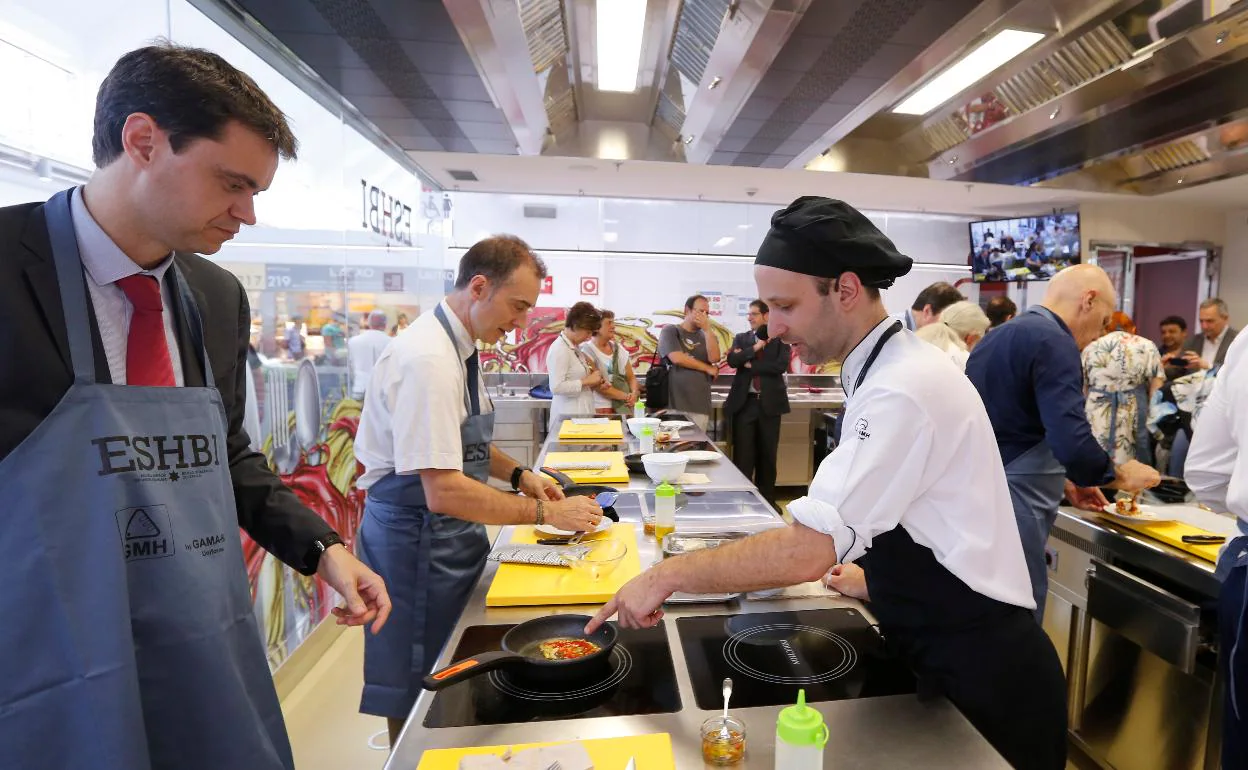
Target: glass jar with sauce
[722, 749]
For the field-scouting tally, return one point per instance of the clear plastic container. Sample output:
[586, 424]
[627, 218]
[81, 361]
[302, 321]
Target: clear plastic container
[801, 735]
[647, 440]
[664, 510]
[639, 408]
[719, 749]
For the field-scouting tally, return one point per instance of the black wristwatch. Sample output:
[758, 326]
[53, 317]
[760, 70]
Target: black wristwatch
[515, 476]
[312, 560]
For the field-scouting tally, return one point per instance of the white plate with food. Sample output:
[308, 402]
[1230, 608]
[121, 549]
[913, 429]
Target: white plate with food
[549, 531]
[1124, 510]
[701, 456]
[675, 424]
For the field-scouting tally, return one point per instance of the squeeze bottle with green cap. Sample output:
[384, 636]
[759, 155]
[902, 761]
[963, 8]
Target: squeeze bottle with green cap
[639, 408]
[647, 440]
[800, 737]
[664, 510]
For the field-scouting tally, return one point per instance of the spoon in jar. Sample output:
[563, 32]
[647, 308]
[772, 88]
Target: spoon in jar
[723, 730]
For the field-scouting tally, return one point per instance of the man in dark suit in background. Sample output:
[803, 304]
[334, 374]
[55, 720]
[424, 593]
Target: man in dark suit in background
[126, 491]
[757, 400]
[1208, 349]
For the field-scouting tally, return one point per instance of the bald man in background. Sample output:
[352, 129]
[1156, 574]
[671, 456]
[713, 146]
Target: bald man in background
[1029, 375]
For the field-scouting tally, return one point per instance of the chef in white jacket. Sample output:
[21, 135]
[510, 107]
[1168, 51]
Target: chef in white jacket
[573, 376]
[1217, 472]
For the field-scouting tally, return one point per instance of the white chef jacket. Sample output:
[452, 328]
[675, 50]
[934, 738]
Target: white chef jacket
[566, 366]
[414, 404]
[1217, 462]
[917, 449]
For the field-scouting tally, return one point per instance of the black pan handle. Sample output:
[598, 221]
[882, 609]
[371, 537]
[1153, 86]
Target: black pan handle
[470, 667]
[563, 479]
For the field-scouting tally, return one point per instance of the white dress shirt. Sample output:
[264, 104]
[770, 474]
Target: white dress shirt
[567, 367]
[1209, 347]
[414, 404]
[364, 350]
[104, 264]
[1217, 462]
[917, 449]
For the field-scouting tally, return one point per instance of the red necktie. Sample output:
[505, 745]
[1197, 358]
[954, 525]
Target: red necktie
[147, 350]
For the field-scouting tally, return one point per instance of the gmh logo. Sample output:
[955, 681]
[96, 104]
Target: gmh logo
[128, 454]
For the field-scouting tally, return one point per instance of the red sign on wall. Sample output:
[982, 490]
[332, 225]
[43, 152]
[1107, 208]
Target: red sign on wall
[548, 285]
[589, 287]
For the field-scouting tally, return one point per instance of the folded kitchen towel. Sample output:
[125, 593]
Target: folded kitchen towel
[689, 479]
[580, 465]
[570, 756]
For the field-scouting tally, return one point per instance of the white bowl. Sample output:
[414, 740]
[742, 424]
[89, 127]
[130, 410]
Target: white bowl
[664, 466]
[635, 424]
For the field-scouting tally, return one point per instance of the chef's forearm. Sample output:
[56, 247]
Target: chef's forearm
[776, 558]
[453, 494]
[501, 464]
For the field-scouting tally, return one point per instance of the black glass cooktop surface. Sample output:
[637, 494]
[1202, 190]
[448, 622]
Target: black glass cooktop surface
[832, 654]
[640, 679]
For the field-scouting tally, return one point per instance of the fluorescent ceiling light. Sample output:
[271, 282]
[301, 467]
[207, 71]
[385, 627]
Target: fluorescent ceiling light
[610, 237]
[722, 242]
[976, 65]
[621, 24]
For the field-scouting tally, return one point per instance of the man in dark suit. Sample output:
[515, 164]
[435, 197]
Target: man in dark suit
[1208, 349]
[757, 400]
[183, 142]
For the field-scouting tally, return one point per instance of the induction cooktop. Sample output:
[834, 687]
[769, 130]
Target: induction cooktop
[833, 654]
[641, 679]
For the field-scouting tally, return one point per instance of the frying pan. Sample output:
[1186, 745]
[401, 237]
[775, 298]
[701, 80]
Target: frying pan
[602, 494]
[520, 654]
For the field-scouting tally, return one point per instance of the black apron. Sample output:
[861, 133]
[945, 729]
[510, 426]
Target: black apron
[990, 659]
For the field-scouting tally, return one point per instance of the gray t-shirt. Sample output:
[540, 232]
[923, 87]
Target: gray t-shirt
[688, 390]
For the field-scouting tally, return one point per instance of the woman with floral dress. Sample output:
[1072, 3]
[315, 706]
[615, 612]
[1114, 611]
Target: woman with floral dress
[1121, 370]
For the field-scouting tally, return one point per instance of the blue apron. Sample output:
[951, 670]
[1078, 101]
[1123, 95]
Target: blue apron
[1036, 481]
[131, 643]
[1120, 398]
[429, 561]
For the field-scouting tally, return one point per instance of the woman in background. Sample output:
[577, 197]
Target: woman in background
[573, 375]
[620, 389]
[959, 328]
[1121, 370]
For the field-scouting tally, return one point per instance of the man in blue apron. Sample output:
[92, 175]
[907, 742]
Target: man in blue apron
[1030, 377]
[130, 641]
[1217, 472]
[425, 441]
[914, 493]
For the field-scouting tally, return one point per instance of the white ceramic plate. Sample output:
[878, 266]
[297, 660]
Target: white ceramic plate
[549, 531]
[675, 424]
[701, 456]
[1147, 513]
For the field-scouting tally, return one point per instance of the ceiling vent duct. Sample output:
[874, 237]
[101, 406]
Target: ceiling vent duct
[538, 211]
[696, 33]
[460, 175]
[545, 31]
[1100, 51]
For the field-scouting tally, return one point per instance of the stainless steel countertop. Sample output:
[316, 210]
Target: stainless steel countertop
[890, 732]
[799, 398]
[1135, 549]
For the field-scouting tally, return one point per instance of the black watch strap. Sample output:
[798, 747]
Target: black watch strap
[319, 546]
[515, 476]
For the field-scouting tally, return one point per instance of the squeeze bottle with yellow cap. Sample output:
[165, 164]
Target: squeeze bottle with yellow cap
[800, 737]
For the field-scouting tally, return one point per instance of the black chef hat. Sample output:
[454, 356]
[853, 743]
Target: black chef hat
[824, 238]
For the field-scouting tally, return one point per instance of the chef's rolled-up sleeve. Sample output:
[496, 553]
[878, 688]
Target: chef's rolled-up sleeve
[880, 466]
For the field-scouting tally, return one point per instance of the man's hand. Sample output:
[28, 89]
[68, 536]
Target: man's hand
[848, 579]
[1085, 498]
[1194, 361]
[539, 486]
[362, 589]
[712, 371]
[592, 380]
[575, 514]
[637, 602]
[760, 345]
[1133, 475]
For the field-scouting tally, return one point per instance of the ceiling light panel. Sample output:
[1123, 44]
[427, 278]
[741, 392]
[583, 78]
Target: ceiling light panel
[969, 70]
[621, 26]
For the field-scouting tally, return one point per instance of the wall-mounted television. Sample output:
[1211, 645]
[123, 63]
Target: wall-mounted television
[1024, 249]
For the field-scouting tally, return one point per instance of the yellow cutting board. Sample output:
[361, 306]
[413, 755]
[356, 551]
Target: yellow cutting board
[528, 585]
[616, 474]
[611, 430]
[1171, 533]
[651, 752]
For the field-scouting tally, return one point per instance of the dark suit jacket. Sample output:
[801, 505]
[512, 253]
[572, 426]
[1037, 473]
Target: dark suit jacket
[1196, 343]
[770, 365]
[36, 372]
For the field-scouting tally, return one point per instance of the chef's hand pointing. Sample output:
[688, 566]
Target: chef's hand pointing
[363, 590]
[638, 602]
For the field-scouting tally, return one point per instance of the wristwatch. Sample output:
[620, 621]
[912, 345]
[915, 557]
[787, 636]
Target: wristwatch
[515, 476]
[312, 560]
